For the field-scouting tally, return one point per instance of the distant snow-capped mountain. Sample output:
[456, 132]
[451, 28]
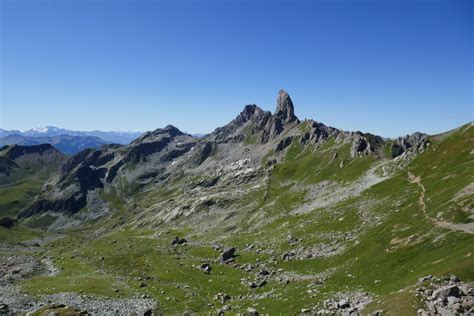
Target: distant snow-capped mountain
[44, 130]
[67, 144]
[120, 137]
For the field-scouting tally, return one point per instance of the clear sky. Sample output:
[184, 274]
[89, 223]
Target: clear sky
[386, 67]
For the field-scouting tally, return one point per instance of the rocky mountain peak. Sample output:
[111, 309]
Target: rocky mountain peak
[250, 111]
[167, 131]
[172, 130]
[285, 109]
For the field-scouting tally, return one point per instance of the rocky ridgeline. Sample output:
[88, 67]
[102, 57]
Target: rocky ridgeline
[162, 155]
[445, 296]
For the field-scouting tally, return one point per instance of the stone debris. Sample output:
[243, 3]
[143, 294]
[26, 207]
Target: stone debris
[222, 297]
[17, 266]
[445, 296]
[345, 303]
[18, 303]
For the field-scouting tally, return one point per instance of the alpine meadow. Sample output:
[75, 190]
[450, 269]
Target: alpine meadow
[269, 214]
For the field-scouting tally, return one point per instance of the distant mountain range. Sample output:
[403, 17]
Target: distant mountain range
[67, 141]
[118, 137]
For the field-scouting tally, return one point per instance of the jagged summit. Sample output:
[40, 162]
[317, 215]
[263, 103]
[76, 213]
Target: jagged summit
[250, 111]
[285, 109]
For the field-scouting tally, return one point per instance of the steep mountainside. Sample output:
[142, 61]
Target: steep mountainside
[268, 214]
[23, 171]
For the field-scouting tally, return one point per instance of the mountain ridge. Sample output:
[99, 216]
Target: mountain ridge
[168, 149]
[272, 214]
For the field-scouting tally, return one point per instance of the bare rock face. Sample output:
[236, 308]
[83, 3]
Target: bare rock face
[29, 156]
[285, 110]
[157, 156]
[92, 169]
[415, 142]
[284, 115]
[273, 128]
[365, 144]
[261, 125]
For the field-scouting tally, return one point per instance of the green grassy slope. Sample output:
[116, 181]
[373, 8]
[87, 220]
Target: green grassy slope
[386, 238]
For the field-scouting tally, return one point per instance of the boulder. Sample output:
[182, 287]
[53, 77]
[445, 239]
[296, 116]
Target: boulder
[292, 240]
[343, 304]
[206, 268]
[288, 255]
[4, 309]
[227, 256]
[7, 222]
[222, 297]
[252, 311]
[178, 241]
[453, 300]
[442, 294]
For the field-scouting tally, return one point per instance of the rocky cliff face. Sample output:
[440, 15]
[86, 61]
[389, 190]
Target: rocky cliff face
[158, 157]
[92, 169]
[285, 110]
[414, 143]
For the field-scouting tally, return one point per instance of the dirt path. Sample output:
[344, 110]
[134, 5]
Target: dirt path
[443, 224]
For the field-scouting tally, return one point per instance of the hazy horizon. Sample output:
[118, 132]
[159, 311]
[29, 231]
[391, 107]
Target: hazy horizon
[388, 68]
[205, 133]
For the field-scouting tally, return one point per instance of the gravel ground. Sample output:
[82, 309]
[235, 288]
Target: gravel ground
[17, 264]
[15, 267]
[21, 303]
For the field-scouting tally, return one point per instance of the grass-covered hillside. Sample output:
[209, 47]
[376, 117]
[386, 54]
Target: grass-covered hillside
[314, 227]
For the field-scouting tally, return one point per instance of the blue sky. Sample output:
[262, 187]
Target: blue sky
[386, 67]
